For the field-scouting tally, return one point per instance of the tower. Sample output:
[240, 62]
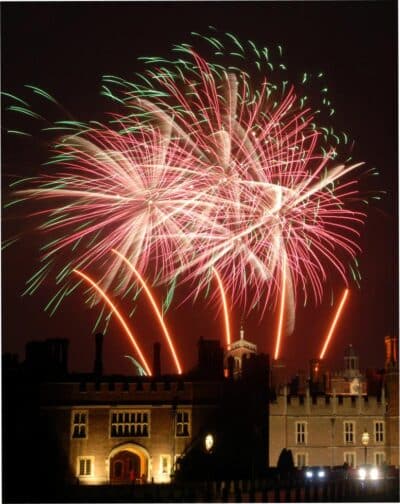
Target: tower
[351, 364]
[236, 353]
[392, 393]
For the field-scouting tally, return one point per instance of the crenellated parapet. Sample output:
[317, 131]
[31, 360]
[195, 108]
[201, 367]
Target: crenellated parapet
[134, 391]
[328, 404]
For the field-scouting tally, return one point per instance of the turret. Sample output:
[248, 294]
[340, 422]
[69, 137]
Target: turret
[237, 352]
[351, 365]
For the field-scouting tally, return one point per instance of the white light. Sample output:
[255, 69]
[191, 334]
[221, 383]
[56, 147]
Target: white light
[309, 474]
[362, 473]
[209, 442]
[321, 474]
[374, 473]
[365, 438]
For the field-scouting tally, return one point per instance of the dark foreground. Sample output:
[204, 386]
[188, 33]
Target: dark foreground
[225, 491]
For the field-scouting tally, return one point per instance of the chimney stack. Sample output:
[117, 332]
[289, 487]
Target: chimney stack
[64, 355]
[157, 359]
[98, 360]
[391, 352]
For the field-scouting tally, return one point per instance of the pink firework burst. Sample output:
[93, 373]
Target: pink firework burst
[204, 171]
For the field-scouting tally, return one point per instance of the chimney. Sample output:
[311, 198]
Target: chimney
[315, 370]
[157, 359]
[98, 360]
[210, 358]
[64, 355]
[391, 352]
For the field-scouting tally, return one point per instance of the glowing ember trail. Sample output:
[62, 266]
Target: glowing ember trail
[224, 306]
[334, 322]
[118, 315]
[281, 311]
[155, 308]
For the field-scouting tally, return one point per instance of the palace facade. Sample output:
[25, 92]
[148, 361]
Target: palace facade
[322, 419]
[229, 417]
[100, 429]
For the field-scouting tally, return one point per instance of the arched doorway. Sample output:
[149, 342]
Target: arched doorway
[128, 463]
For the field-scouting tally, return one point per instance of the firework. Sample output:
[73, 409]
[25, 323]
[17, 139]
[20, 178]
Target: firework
[155, 309]
[281, 311]
[224, 307]
[207, 169]
[121, 319]
[334, 322]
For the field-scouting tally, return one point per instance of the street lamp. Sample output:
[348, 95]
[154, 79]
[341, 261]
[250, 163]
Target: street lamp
[209, 443]
[365, 441]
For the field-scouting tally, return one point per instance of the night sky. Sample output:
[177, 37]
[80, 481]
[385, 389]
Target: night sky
[65, 48]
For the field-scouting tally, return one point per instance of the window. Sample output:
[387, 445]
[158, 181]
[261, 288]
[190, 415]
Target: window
[130, 423]
[379, 458]
[349, 432]
[182, 423]
[301, 432]
[79, 424]
[379, 430]
[85, 466]
[165, 464]
[177, 462]
[350, 459]
[301, 460]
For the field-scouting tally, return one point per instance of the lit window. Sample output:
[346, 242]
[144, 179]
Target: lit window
[132, 423]
[85, 466]
[301, 432]
[348, 430]
[380, 458]
[301, 460]
[79, 421]
[379, 430]
[350, 459]
[182, 423]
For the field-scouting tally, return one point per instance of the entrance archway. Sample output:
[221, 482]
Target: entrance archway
[128, 463]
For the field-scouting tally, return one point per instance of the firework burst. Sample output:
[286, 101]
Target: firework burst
[205, 170]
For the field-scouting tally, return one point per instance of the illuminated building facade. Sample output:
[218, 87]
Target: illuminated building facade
[322, 419]
[119, 431]
[137, 429]
[94, 429]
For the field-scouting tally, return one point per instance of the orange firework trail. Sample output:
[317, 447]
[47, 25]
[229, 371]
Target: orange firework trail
[334, 322]
[118, 315]
[281, 311]
[224, 306]
[155, 308]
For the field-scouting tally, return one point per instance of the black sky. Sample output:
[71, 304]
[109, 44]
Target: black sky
[65, 48]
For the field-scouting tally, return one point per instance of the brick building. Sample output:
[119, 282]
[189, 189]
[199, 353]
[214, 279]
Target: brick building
[322, 419]
[98, 429]
[94, 428]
